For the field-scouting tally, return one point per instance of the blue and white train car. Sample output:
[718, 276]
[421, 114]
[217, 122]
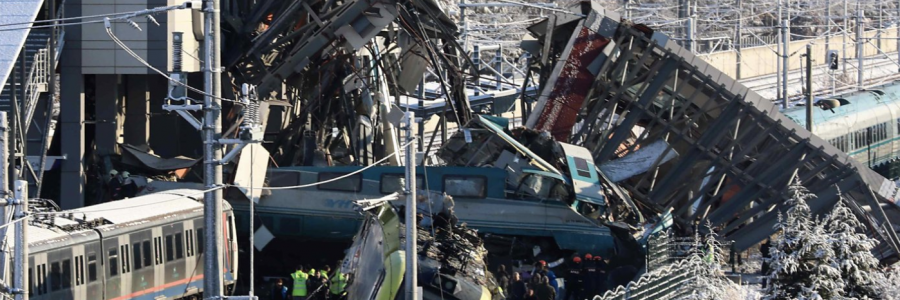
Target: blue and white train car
[147, 247]
[867, 126]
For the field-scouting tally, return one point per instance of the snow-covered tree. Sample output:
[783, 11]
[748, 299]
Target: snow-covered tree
[853, 254]
[802, 260]
[890, 284]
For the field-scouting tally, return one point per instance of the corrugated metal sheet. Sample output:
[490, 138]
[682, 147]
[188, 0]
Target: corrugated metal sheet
[11, 41]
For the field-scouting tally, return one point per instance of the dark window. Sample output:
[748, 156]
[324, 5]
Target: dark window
[465, 186]
[113, 262]
[349, 184]
[147, 253]
[200, 240]
[136, 256]
[391, 183]
[92, 267]
[79, 270]
[179, 246]
[189, 240]
[581, 165]
[157, 244]
[126, 263]
[33, 283]
[170, 254]
[66, 274]
[55, 277]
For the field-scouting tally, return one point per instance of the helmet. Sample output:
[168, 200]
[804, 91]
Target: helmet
[577, 259]
[597, 258]
[113, 172]
[588, 256]
[125, 174]
[543, 263]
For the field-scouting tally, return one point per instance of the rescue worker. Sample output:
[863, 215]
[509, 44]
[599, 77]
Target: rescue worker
[129, 188]
[279, 292]
[315, 284]
[114, 185]
[551, 277]
[338, 284]
[589, 276]
[574, 281]
[601, 285]
[502, 277]
[299, 277]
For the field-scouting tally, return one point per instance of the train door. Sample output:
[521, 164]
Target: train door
[93, 268]
[200, 234]
[79, 287]
[59, 263]
[159, 269]
[37, 276]
[173, 256]
[112, 267]
[142, 276]
[190, 254]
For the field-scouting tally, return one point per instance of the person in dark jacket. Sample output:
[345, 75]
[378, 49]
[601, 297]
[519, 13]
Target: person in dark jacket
[530, 295]
[602, 267]
[502, 278]
[279, 291]
[589, 275]
[574, 280]
[545, 291]
[518, 288]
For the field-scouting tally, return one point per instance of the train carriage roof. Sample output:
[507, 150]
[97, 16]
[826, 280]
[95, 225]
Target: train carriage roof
[72, 226]
[860, 101]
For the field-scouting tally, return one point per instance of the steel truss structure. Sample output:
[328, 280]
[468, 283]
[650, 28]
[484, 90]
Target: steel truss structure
[736, 153]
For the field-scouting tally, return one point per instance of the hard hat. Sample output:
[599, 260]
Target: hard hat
[113, 172]
[577, 259]
[588, 256]
[543, 263]
[125, 174]
[597, 257]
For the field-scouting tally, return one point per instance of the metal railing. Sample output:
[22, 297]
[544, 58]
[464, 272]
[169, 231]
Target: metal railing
[668, 282]
[38, 79]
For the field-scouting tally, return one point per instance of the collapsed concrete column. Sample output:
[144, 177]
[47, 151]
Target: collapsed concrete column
[137, 110]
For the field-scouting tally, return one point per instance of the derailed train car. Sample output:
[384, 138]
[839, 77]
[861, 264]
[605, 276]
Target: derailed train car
[147, 247]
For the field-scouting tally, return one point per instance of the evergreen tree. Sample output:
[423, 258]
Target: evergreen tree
[802, 259]
[853, 254]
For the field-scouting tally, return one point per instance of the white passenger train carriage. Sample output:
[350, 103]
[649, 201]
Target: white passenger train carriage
[148, 247]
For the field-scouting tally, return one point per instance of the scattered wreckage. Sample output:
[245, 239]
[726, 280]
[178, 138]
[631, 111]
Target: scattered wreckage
[452, 259]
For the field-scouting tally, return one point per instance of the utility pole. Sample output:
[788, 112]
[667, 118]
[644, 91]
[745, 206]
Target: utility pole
[779, 50]
[737, 39]
[827, 24]
[809, 94]
[212, 173]
[21, 244]
[860, 47]
[410, 279]
[844, 42]
[786, 35]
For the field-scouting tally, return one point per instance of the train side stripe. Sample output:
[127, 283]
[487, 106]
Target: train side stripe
[160, 288]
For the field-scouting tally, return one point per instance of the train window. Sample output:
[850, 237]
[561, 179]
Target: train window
[465, 186]
[189, 241]
[391, 183]
[33, 283]
[179, 246]
[126, 263]
[92, 267]
[79, 268]
[157, 245]
[66, 275]
[170, 254]
[200, 240]
[113, 262]
[147, 253]
[351, 183]
[55, 277]
[136, 255]
[581, 165]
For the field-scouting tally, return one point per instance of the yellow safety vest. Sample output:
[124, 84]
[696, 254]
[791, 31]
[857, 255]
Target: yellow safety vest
[338, 283]
[299, 283]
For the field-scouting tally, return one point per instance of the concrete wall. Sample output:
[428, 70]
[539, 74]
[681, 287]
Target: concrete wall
[758, 61]
[101, 55]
